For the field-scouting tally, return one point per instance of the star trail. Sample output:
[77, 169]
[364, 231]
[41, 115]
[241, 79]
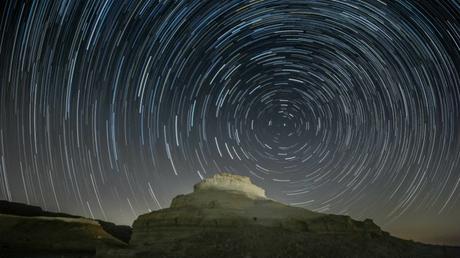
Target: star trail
[108, 109]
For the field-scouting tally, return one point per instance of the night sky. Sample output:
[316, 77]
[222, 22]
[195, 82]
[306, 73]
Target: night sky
[109, 109]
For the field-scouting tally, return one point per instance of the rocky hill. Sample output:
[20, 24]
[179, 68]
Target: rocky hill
[228, 216]
[225, 216]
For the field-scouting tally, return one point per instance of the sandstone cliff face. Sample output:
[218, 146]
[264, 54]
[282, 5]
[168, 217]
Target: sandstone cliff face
[226, 200]
[228, 215]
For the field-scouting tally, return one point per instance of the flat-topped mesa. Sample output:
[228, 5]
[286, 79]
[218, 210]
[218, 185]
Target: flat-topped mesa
[228, 206]
[227, 216]
[230, 182]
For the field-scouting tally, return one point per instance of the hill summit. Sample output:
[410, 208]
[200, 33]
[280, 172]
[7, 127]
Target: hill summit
[231, 182]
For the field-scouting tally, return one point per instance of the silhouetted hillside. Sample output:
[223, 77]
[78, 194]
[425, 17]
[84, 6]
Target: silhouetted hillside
[19, 209]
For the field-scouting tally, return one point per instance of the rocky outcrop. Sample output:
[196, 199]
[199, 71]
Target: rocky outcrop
[226, 200]
[228, 216]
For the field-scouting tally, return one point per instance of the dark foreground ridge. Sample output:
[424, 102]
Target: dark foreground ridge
[225, 216]
[29, 231]
[120, 232]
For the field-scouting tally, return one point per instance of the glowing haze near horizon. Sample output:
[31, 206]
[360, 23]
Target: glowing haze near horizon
[108, 109]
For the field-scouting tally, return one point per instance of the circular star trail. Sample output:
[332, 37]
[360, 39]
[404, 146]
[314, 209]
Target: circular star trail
[108, 109]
